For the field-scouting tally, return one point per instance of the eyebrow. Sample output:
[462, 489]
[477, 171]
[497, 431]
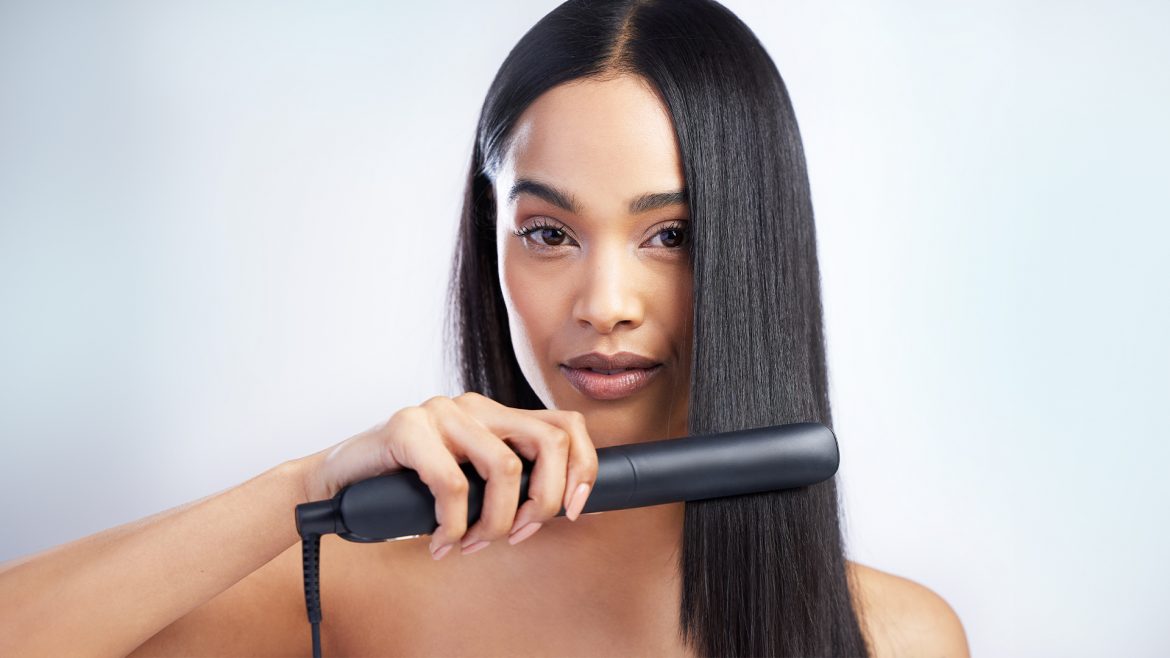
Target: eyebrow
[565, 201]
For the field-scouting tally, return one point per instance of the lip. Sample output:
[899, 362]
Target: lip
[600, 386]
[611, 361]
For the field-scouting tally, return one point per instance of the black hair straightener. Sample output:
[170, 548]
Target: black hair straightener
[396, 505]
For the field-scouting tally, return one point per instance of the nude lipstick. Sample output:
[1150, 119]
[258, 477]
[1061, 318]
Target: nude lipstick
[610, 377]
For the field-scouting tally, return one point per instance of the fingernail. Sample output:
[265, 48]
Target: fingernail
[524, 533]
[475, 547]
[577, 502]
[443, 550]
[516, 524]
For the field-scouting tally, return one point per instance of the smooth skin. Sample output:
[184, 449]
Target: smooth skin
[222, 575]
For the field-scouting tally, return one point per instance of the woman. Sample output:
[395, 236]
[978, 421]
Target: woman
[637, 188]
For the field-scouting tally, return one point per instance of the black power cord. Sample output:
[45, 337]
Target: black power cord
[313, 520]
[310, 556]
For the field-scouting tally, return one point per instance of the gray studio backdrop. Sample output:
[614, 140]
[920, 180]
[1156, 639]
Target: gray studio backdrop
[225, 231]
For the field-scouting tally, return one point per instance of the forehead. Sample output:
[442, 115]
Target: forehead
[604, 141]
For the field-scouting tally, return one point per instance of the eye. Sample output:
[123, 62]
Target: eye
[553, 234]
[677, 233]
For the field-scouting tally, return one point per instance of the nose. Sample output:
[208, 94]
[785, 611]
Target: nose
[609, 294]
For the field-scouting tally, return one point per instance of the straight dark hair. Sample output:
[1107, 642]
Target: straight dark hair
[762, 574]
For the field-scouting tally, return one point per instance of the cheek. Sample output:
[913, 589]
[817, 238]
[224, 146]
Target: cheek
[682, 311]
[533, 301]
[671, 287]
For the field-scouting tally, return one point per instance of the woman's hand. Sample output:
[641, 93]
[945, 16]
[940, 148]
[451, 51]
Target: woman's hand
[436, 436]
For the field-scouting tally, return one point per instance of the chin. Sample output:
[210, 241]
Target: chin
[633, 424]
[637, 418]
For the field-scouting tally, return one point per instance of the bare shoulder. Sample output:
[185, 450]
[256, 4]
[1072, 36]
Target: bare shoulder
[904, 618]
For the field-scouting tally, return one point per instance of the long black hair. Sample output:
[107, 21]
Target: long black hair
[763, 574]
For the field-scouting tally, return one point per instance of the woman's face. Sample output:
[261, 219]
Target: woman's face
[594, 168]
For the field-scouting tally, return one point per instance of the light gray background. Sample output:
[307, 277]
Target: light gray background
[225, 231]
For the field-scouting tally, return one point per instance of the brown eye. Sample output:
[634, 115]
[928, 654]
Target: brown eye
[549, 234]
[552, 236]
[673, 236]
[676, 239]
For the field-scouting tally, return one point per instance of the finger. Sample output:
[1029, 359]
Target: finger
[534, 437]
[547, 445]
[582, 462]
[496, 463]
[418, 445]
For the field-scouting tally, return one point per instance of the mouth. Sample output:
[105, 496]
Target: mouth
[609, 383]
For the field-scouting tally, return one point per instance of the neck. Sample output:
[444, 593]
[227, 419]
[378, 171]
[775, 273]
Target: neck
[641, 542]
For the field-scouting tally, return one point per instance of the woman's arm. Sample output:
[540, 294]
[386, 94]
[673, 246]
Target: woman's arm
[179, 582]
[110, 592]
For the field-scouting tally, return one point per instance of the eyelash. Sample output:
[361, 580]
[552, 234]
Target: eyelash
[541, 225]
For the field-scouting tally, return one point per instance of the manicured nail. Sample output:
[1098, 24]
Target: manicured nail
[516, 525]
[524, 533]
[443, 550]
[475, 547]
[577, 502]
